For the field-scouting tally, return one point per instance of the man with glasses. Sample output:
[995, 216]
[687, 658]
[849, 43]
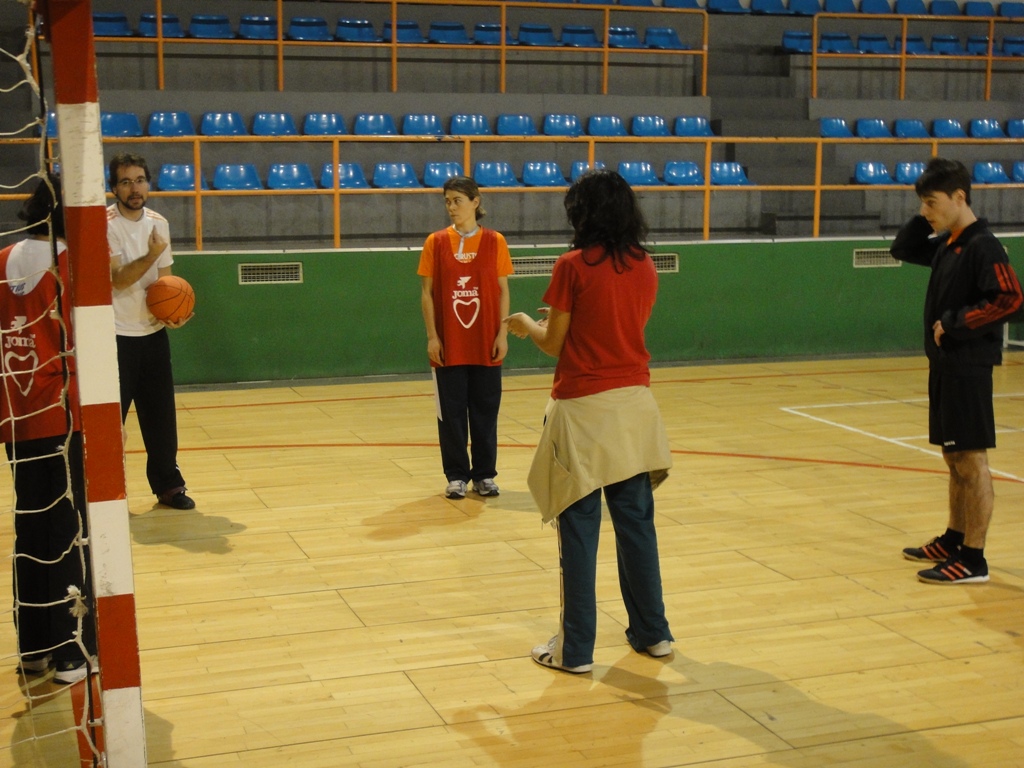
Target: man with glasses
[140, 253]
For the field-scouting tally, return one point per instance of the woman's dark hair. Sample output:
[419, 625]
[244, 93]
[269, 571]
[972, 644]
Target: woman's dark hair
[43, 211]
[603, 211]
[946, 176]
[469, 188]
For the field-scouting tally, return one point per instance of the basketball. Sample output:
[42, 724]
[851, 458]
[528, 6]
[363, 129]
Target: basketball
[170, 299]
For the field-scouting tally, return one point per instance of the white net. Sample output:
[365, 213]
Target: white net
[47, 636]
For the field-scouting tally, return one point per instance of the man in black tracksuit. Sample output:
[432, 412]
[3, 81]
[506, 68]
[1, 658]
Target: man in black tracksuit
[971, 292]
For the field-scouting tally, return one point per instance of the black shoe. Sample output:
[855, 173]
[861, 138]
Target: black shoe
[177, 501]
[932, 552]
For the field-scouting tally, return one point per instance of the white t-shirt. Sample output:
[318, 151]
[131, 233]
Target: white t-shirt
[129, 241]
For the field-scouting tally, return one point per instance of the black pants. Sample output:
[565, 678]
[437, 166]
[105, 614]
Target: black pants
[144, 364]
[468, 398]
[46, 525]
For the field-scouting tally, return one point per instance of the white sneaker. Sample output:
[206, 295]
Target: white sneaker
[35, 666]
[69, 672]
[486, 487]
[544, 655]
[456, 490]
[658, 650]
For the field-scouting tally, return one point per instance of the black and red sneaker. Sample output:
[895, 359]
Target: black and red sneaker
[935, 551]
[955, 571]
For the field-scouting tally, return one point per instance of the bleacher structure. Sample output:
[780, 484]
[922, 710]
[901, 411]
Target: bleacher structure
[313, 123]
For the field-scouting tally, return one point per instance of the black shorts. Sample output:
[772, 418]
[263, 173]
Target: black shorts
[960, 414]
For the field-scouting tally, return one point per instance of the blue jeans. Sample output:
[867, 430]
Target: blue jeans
[631, 506]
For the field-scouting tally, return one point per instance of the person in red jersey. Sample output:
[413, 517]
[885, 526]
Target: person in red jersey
[971, 292]
[602, 429]
[464, 295]
[40, 427]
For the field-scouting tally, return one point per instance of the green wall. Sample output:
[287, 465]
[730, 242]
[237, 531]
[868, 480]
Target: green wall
[357, 312]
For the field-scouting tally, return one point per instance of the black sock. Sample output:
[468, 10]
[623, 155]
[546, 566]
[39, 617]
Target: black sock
[952, 539]
[972, 556]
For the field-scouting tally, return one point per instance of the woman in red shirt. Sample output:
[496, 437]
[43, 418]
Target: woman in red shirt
[602, 429]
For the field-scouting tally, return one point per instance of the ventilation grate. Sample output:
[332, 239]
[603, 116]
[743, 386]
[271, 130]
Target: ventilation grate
[265, 274]
[534, 266]
[874, 257]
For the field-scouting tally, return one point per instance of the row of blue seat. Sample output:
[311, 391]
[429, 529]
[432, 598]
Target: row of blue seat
[908, 173]
[942, 128]
[976, 8]
[316, 28]
[397, 175]
[127, 124]
[799, 41]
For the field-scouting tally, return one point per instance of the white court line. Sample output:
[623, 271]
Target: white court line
[902, 442]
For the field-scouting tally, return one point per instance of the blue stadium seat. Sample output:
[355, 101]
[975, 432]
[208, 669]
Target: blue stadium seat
[796, 41]
[873, 42]
[836, 42]
[120, 124]
[1013, 46]
[978, 45]
[649, 125]
[606, 125]
[495, 174]
[909, 128]
[356, 31]
[210, 26]
[639, 173]
[273, 124]
[253, 27]
[323, 124]
[435, 174]
[986, 128]
[944, 8]
[111, 25]
[911, 8]
[685, 173]
[624, 37]
[979, 8]
[290, 176]
[422, 125]
[872, 173]
[536, 34]
[350, 176]
[948, 128]
[772, 7]
[51, 124]
[177, 178]
[840, 6]
[692, 126]
[171, 124]
[581, 166]
[222, 124]
[562, 125]
[990, 173]
[908, 173]
[728, 174]
[236, 176]
[805, 7]
[308, 28]
[580, 36]
[171, 25]
[448, 32]
[1011, 10]
[948, 44]
[469, 125]
[395, 176]
[1018, 172]
[872, 128]
[664, 38]
[640, 3]
[381, 124]
[489, 33]
[543, 174]
[875, 6]
[1015, 128]
[915, 45]
[692, 4]
[834, 128]
[725, 6]
[515, 125]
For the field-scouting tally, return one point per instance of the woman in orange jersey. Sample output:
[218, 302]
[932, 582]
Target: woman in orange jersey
[464, 295]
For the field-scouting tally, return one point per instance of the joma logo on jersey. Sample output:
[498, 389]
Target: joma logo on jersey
[462, 292]
[19, 341]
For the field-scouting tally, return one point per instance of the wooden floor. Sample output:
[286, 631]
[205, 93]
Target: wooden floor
[325, 606]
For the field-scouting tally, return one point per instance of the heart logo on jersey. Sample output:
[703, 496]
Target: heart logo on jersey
[22, 378]
[470, 309]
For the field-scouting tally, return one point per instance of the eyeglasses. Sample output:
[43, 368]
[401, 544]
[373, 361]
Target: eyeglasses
[129, 183]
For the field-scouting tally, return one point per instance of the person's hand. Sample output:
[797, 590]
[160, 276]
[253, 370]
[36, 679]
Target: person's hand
[180, 323]
[518, 324]
[156, 244]
[500, 348]
[435, 351]
[938, 330]
[543, 322]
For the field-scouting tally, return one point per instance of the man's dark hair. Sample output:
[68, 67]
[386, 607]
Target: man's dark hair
[124, 160]
[604, 211]
[43, 211]
[946, 176]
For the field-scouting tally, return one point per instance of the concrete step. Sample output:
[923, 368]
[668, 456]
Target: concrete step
[756, 108]
[739, 126]
[789, 224]
[756, 86]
